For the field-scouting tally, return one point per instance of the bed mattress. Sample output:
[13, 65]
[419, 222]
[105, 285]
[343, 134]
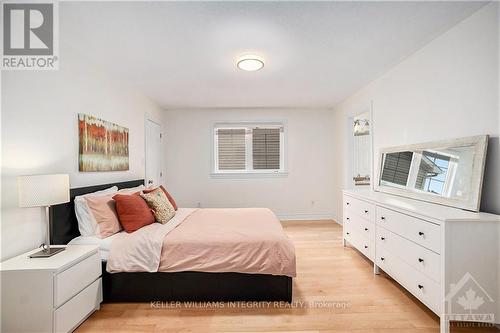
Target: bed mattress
[241, 240]
[104, 244]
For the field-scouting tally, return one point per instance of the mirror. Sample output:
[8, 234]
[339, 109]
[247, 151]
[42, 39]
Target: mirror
[445, 172]
[362, 149]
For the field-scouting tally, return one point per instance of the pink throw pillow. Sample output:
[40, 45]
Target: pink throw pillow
[103, 210]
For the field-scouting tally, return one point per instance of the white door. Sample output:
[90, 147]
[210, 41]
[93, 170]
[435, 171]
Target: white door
[153, 153]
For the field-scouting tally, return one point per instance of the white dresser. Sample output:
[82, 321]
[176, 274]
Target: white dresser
[446, 257]
[52, 294]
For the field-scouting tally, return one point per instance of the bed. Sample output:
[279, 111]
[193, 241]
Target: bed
[200, 282]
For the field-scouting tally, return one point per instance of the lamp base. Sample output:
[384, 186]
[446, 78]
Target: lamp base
[47, 253]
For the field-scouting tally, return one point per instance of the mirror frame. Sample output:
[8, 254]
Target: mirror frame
[480, 146]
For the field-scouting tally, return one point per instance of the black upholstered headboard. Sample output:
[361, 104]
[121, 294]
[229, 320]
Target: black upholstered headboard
[64, 223]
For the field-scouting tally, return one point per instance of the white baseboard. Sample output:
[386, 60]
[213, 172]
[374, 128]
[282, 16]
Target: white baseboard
[299, 217]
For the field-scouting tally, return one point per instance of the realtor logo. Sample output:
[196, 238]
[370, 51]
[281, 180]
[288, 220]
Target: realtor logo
[467, 300]
[29, 35]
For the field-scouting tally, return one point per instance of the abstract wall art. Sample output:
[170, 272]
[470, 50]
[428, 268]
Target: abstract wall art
[103, 146]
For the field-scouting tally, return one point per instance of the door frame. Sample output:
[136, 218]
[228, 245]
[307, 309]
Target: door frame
[149, 118]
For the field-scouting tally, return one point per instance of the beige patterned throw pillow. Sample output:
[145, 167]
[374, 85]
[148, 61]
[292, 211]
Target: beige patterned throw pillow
[158, 202]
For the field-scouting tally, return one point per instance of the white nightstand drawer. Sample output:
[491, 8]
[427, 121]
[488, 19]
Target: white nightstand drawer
[421, 232]
[360, 207]
[73, 312]
[73, 280]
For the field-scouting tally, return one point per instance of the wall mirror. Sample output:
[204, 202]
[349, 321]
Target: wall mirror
[444, 172]
[361, 149]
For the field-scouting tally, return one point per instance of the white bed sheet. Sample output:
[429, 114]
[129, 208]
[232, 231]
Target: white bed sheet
[104, 244]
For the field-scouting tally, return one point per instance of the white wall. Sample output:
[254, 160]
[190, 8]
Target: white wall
[310, 157]
[447, 89]
[40, 135]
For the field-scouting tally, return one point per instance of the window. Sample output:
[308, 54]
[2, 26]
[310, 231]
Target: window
[248, 148]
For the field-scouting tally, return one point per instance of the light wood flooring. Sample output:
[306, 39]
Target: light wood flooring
[337, 284]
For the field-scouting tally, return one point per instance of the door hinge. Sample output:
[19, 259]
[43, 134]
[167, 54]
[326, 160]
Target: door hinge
[160, 135]
[161, 174]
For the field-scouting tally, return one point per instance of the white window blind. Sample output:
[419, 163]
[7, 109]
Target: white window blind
[248, 148]
[266, 148]
[231, 148]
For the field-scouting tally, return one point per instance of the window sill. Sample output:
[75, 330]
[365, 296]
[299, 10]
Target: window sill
[248, 175]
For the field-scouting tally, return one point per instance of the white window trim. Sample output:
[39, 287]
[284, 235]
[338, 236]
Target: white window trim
[235, 174]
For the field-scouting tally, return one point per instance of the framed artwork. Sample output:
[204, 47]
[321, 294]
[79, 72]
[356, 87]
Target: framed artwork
[103, 146]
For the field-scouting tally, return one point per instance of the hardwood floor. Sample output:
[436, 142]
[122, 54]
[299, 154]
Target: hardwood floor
[335, 291]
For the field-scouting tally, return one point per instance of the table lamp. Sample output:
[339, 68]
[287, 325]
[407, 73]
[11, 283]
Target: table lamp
[43, 191]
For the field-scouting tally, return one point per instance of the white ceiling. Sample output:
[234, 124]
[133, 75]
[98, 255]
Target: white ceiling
[182, 54]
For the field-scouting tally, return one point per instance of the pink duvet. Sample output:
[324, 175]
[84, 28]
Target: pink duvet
[244, 240]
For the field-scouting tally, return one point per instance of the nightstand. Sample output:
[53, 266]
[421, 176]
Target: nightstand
[54, 294]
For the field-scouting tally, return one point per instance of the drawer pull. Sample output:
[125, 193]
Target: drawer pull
[366, 246]
[347, 203]
[420, 260]
[348, 219]
[420, 287]
[382, 258]
[382, 238]
[366, 229]
[366, 212]
[420, 233]
[347, 233]
[382, 218]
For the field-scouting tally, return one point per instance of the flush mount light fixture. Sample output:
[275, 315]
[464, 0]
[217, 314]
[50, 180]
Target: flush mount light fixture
[250, 63]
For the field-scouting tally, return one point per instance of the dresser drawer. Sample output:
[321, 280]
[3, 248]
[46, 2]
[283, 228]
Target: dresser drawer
[73, 312]
[73, 280]
[360, 207]
[421, 232]
[423, 288]
[346, 229]
[360, 225]
[420, 258]
[362, 244]
[367, 248]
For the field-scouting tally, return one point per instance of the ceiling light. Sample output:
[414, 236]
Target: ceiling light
[250, 63]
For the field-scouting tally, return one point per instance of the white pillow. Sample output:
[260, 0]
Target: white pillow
[86, 222]
[132, 190]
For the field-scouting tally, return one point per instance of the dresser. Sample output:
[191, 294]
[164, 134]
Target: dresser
[447, 258]
[53, 294]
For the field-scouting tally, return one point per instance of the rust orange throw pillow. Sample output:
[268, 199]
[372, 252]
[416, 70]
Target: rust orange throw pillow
[172, 201]
[133, 212]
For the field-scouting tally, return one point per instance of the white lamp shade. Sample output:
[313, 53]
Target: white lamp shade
[43, 190]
